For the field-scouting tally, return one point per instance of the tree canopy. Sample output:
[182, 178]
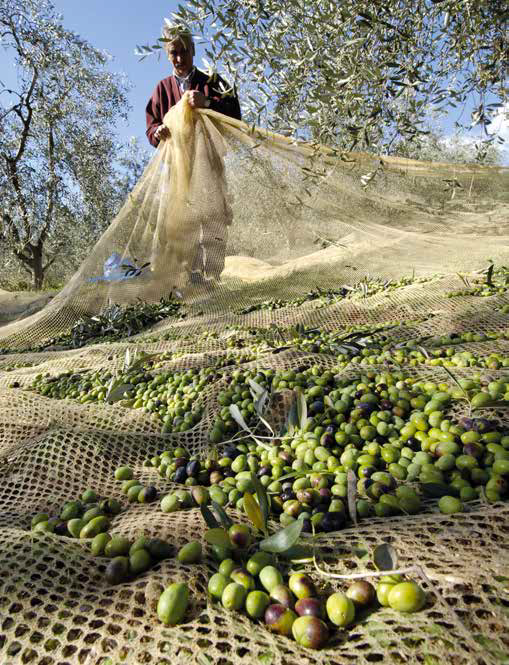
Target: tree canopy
[56, 135]
[357, 73]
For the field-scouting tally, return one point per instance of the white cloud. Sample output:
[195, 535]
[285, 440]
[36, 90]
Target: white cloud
[500, 126]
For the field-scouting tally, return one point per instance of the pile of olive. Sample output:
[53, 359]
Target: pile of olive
[133, 488]
[129, 559]
[88, 518]
[390, 430]
[484, 286]
[380, 351]
[294, 607]
[83, 518]
[172, 397]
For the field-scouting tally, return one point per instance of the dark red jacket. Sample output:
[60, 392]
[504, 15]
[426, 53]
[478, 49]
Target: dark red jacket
[167, 94]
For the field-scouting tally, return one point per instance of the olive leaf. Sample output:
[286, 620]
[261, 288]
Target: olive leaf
[328, 402]
[284, 539]
[260, 398]
[438, 490]
[493, 404]
[142, 359]
[225, 520]
[209, 518]
[116, 390]
[385, 557]
[446, 369]
[352, 495]
[302, 410]
[292, 420]
[237, 416]
[297, 552]
[263, 499]
[217, 536]
[489, 275]
[253, 511]
[256, 388]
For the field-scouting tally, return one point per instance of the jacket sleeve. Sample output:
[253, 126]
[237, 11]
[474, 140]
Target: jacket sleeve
[153, 116]
[229, 104]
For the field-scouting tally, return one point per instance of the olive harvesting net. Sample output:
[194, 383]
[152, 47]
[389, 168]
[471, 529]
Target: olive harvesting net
[273, 293]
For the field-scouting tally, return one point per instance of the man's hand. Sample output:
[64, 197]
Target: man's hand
[162, 133]
[196, 99]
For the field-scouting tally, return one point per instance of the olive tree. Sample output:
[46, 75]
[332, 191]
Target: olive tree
[356, 73]
[56, 135]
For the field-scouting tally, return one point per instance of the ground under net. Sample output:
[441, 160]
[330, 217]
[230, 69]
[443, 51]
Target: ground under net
[286, 257]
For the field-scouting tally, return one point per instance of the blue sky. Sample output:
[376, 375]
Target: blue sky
[118, 27]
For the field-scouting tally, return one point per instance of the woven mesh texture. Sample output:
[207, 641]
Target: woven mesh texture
[56, 607]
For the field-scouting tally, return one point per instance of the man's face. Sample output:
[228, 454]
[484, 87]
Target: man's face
[180, 54]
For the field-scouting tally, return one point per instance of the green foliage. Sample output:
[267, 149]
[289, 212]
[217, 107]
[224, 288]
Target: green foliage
[355, 74]
[57, 147]
[116, 322]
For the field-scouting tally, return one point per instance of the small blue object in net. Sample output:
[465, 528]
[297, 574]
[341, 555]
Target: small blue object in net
[117, 269]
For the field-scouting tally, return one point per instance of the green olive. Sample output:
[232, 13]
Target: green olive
[340, 609]
[170, 503]
[406, 597]
[173, 603]
[190, 553]
[40, 517]
[118, 546]
[233, 596]
[139, 561]
[382, 592]
[75, 526]
[217, 584]
[258, 561]
[448, 505]
[270, 577]
[256, 604]
[124, 473]
[99, 543]
[301, 586]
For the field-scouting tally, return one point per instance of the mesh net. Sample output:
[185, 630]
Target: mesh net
[242, 225]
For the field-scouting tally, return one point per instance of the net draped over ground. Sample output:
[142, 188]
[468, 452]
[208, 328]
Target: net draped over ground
[276, 219]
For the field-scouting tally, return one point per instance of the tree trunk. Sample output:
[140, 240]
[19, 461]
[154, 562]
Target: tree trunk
[36, 265]
[31, 257]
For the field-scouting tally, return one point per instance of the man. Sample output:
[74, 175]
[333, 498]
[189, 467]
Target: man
[208, 262]
[169, 91]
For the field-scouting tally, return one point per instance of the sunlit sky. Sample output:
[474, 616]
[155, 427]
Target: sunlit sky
[118, 27]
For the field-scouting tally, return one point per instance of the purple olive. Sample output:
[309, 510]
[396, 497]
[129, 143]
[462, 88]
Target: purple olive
[361, 593]
[325, 495]
[282, 595]
[301, 586]
[482, 425]
[61, 529]
[306, 496]
[240, 535]
[473, 449]
[327, 440]
[279, 619]
[180, 475]
[193, 468]
[466, 423]
[310, 632]
[333, 521]
[312, 607]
